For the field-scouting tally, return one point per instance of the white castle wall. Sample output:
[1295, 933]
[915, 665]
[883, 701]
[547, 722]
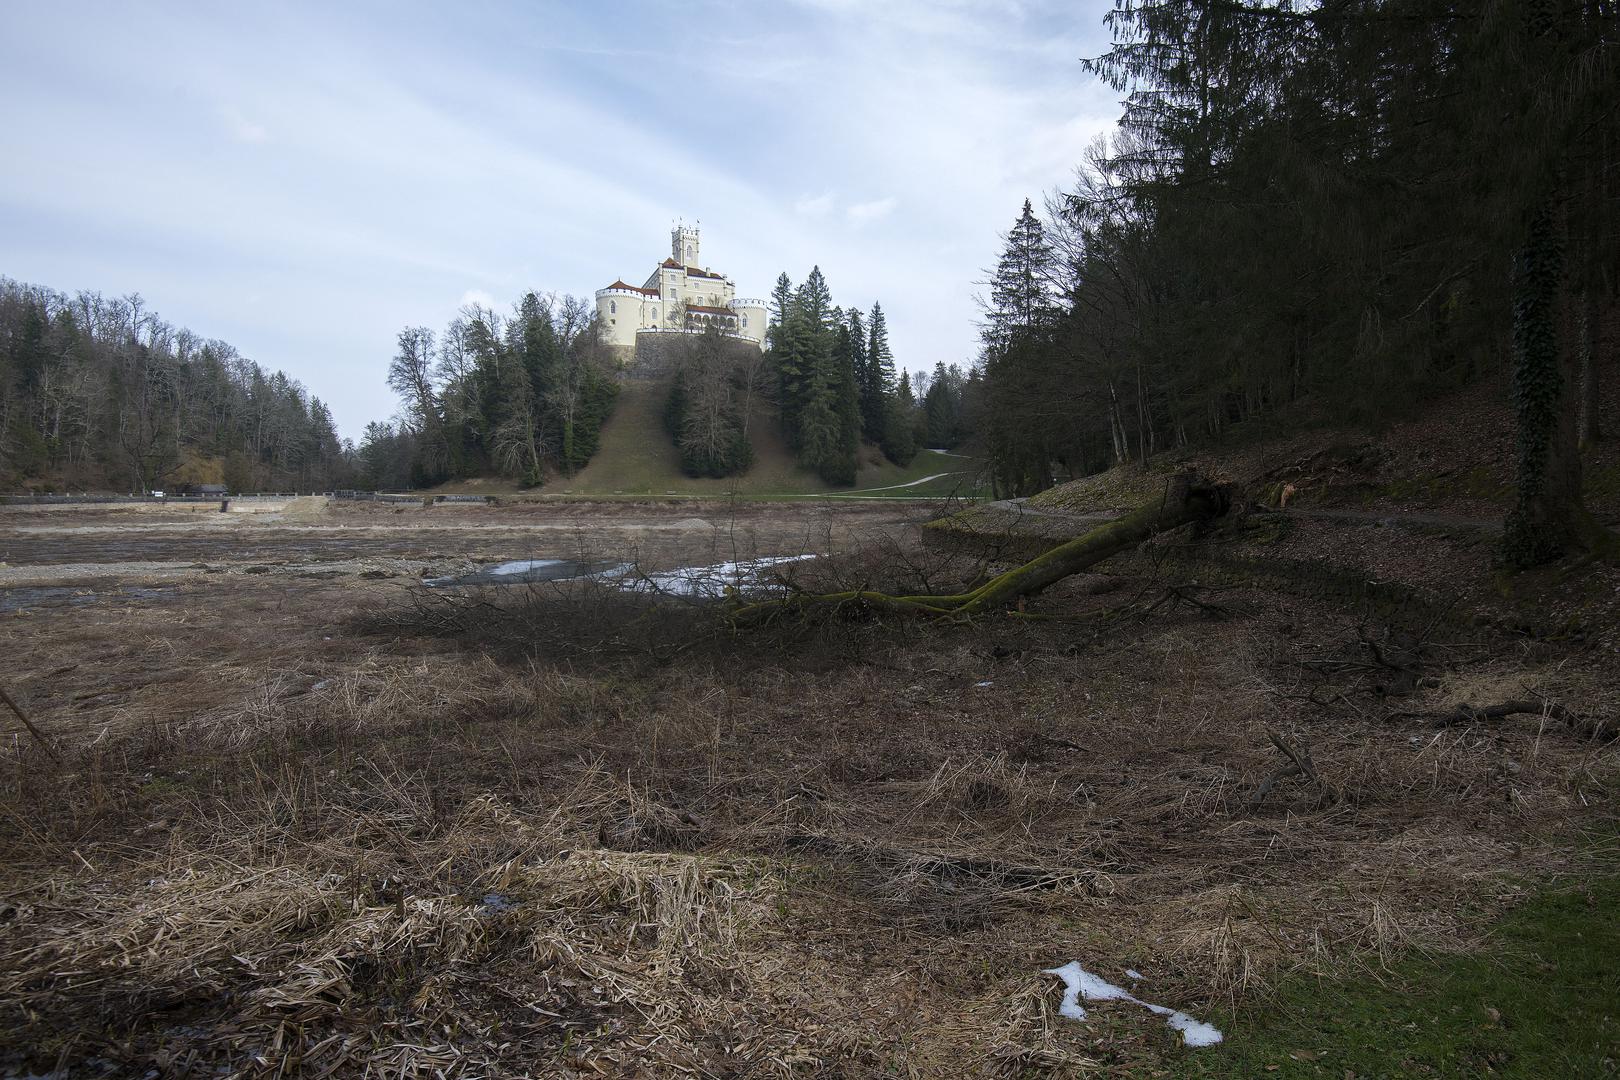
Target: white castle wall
[628, 312]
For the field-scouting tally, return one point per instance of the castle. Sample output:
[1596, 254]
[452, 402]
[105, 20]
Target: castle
[677, 298]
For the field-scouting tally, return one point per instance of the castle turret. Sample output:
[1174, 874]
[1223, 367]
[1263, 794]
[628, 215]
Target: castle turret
[752, 318]
[683, 245]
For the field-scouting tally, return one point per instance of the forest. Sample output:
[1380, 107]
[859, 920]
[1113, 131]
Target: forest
[520, 396]
[99, 393]
[1336, 209]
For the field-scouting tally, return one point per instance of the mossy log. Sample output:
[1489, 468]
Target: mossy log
[1187, 498]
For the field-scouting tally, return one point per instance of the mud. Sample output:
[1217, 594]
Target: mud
[100, 545]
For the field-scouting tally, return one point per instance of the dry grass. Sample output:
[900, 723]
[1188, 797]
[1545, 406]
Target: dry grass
[333, 844]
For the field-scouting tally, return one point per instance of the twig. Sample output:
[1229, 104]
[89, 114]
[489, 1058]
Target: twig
[38, 735]
[1300, 764]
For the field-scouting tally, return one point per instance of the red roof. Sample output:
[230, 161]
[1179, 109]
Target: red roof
[691, 271]
[710, 310]
[633, 288]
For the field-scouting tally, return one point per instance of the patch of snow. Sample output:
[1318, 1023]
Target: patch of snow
[1134, 975]
[986, 682]
[1081, 985]
[1194, 1032]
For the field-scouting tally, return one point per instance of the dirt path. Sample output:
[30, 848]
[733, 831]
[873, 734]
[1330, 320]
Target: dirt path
[897, 487]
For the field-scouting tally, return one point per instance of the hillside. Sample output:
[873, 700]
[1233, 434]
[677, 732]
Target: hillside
[1455, 457]
[637, 457]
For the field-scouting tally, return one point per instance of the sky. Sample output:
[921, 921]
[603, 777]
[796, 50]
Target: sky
[305, 180]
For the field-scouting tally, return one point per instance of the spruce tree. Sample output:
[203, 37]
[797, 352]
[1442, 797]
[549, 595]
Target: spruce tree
[804, 353]
[860, 349]
[878, 385]
[899, 431]
[1017, 355]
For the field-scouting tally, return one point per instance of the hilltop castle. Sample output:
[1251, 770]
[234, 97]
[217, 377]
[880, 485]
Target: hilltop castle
[677, 298]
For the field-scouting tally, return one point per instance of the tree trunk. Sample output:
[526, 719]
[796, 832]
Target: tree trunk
[1592, 325]
[1186, 499]
[1548, 520]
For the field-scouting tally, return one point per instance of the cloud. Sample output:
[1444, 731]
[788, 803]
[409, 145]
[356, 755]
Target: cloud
[814, 207]
[429, 156]
[241, 128]
[868, 212]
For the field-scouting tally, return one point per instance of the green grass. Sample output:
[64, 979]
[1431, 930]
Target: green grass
[638, 459]
[1541, 1000]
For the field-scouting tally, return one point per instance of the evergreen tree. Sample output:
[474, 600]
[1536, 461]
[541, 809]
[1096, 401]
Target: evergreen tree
[781, 301]
[1017, 351]
[878, 385]
[900, 429]
[842, 460]
[804, 354]
[861, 352]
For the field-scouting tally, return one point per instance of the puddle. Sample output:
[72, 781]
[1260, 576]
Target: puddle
[691, 582]
[46, 598]
[524, 571]
[712, 582]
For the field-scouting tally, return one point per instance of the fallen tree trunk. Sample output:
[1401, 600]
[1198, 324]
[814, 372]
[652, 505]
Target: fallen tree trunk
[1187, 498]
[1590, 727]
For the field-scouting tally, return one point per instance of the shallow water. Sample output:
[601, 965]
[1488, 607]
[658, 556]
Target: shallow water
[527, 571]
[691, 582]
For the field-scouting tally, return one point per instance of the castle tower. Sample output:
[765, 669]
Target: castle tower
[683, 245]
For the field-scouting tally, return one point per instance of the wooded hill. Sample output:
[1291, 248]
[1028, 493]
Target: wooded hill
[100, 393]
[524, 397]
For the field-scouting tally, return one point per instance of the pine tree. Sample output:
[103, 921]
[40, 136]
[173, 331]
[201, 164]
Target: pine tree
[878, 385]
[781, 301]
[840, 463]
[860, 361]
[1017, 352]
[804, 352]
[899, 432]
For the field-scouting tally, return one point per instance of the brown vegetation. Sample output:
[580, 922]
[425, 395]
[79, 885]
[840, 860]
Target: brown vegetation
[300, 827]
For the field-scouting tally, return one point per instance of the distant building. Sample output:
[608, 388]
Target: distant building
[678, 298]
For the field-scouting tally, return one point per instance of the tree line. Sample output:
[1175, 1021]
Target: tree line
[100, 393]
[1349, 206]
[830, 374]
[835, 380]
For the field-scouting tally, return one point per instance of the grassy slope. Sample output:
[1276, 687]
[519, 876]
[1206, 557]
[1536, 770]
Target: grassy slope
[1542, 999]
[637, 457]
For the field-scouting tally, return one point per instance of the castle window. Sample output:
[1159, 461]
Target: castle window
[613, 307]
